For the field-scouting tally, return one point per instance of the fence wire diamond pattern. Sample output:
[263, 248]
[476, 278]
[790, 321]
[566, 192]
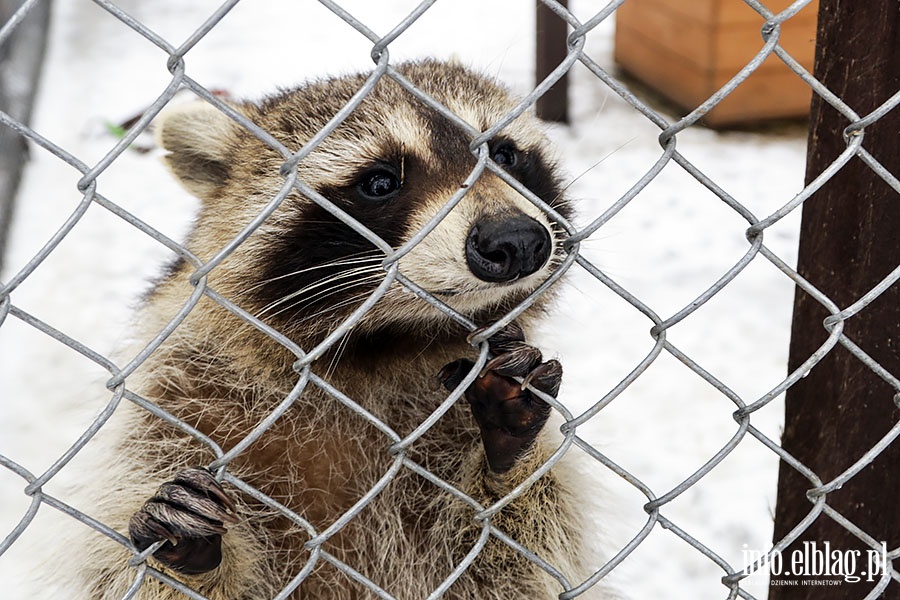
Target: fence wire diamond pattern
[175, 57]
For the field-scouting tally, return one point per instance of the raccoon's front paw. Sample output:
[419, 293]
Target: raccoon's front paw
[508, 416]
[189, 513]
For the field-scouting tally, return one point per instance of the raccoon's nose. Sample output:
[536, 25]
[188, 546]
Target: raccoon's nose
[507, 248]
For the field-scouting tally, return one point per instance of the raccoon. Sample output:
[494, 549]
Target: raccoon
[291, 511]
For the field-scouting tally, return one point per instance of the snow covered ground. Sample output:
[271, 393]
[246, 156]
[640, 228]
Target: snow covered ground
[666, 247]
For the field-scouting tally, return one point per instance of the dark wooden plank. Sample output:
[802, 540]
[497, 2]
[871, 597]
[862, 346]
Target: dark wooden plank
[849, 241]
[550, 44]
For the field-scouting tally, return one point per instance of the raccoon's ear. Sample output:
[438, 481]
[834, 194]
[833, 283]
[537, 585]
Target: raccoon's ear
[199, 138]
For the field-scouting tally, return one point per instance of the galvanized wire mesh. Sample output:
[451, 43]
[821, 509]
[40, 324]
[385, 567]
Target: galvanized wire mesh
[173, 54]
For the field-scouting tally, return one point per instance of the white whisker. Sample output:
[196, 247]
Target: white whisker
[317, 284]
[321, 294]
[374, 257]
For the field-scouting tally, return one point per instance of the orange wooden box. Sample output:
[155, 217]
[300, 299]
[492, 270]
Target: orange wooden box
[688, 49]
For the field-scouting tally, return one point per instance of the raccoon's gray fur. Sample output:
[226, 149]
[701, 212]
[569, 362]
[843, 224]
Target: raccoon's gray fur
[303, 272]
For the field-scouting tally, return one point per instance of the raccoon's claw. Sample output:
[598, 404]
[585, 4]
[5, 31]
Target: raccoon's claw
[545, 377]
[497, 343]
[189, 513]
[519, 361]
[508, 415]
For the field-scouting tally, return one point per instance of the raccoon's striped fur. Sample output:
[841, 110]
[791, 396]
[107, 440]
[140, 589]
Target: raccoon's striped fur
[302, 273]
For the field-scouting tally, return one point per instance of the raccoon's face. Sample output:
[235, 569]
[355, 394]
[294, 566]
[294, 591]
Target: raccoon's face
[391, 166]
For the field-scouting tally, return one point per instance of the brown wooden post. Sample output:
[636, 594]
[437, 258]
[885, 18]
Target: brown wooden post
[849, 241]
[550, 43]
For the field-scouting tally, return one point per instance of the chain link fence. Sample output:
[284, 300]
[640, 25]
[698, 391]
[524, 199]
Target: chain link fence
[176, 55]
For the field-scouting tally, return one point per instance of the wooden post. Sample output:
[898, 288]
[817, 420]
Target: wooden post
[849, 241]
[550, 44]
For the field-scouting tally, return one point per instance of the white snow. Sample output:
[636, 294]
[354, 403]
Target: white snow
[666, 247]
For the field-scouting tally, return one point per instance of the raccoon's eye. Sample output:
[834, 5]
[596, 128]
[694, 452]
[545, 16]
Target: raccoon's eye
[505, 155]
[379, 184]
